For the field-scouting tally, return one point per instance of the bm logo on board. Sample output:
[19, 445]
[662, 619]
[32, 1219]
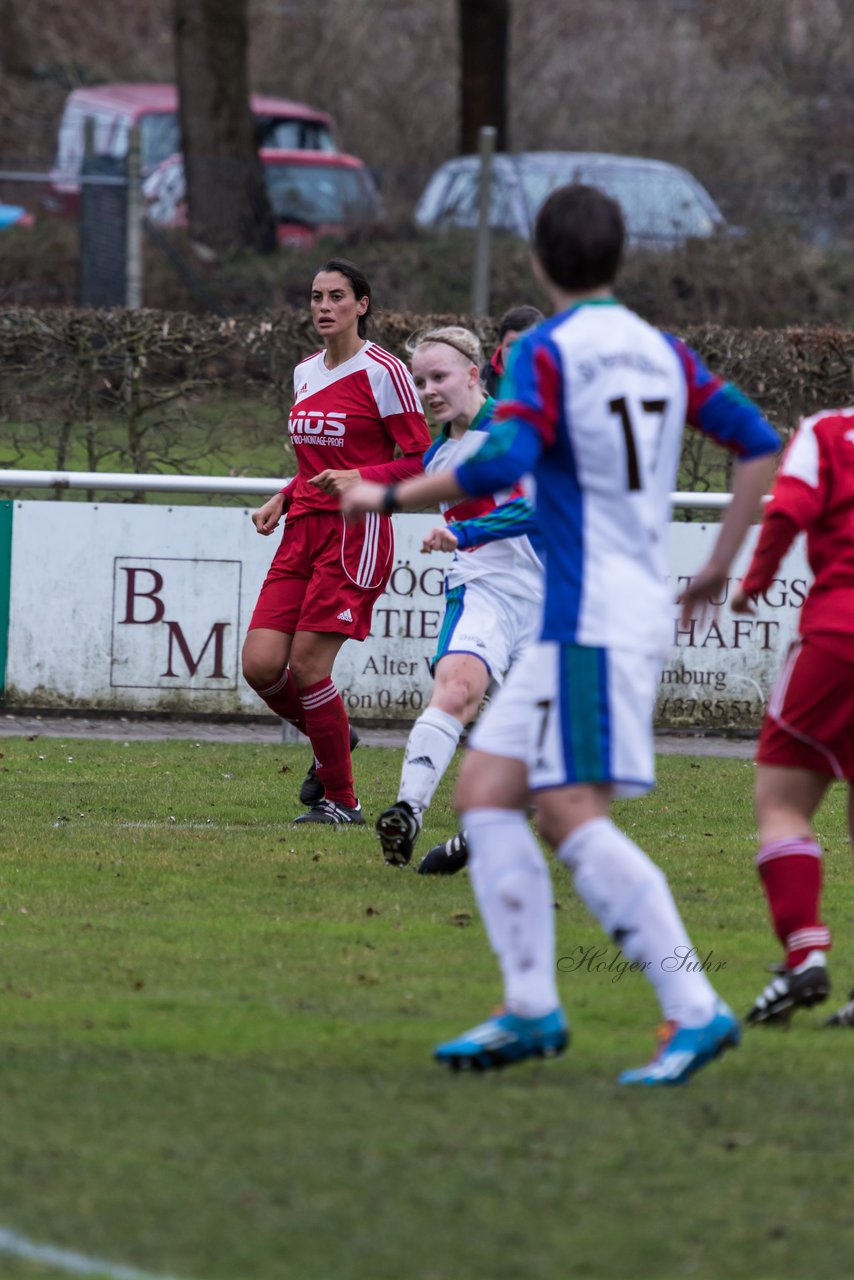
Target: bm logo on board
[175, 623]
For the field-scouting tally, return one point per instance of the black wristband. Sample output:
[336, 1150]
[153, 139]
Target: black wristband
[390, 502]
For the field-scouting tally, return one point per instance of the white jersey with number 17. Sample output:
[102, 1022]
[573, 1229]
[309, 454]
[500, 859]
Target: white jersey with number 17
[594, 403]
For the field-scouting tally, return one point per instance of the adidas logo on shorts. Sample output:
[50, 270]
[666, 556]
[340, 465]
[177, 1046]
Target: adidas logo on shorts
[346, 616]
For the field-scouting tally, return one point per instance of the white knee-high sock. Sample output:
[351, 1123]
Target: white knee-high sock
[513, 889]
[432, 742]
[631, 899]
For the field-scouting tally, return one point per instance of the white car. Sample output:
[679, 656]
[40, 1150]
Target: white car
[663, 205]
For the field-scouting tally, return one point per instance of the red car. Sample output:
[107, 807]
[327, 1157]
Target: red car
[312, 193]
[111, 110]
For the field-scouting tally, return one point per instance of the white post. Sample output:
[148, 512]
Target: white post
[110, 481]
[480, 287]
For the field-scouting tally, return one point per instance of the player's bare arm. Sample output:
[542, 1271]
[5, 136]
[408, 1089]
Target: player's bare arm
[335, 482]
[440, 539]
[410, 495]
[266, 518]
[752, 479]
[741, 602]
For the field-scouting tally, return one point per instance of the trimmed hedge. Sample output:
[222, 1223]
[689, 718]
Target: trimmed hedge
[66, 372]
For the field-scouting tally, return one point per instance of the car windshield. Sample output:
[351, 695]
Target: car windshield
[281, 134]
[656, 203]
[318, 194]
[160, 135]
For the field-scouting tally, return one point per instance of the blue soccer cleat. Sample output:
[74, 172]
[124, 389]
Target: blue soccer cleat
[506, 1038]
[684, 1050]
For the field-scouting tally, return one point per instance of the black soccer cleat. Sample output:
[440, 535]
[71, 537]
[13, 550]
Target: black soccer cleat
[333, 814]
[312, 788]
[445, 859]
[397, 829]
[843, 1017]
[792, 989]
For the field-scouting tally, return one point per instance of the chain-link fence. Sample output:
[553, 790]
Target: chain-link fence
[103, 270]
[92, 225]
[98, 216]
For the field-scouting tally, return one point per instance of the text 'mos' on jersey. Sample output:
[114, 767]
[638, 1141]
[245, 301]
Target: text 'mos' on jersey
[593, 405]
[351, 417]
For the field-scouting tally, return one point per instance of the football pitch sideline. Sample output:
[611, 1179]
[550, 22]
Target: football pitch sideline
[215, 1049]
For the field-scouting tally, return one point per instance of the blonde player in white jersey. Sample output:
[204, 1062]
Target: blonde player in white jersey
[493, 588]
[593, 407]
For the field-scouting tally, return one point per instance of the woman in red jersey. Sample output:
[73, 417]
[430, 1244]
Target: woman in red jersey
[354, 405]
[807, 738]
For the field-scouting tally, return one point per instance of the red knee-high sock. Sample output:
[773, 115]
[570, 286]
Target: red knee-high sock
[790, 871]
[328, 729]
[283, 698]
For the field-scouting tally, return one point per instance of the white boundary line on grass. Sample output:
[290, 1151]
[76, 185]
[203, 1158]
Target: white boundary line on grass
[77, 1264]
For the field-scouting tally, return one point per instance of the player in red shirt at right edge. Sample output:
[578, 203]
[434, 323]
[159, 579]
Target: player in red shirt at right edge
[807, 737]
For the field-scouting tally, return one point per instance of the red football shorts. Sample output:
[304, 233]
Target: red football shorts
[809, 723]
[326, 575]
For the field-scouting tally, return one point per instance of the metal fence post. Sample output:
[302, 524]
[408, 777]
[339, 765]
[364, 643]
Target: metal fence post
[133, 262]
[102, 265]
[480, 287]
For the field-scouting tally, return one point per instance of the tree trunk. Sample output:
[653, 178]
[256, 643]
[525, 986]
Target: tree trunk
[227, 200]
[484, 39]
[15, 52]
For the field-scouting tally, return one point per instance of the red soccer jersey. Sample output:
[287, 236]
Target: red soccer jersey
[814, 493]
[353, 417]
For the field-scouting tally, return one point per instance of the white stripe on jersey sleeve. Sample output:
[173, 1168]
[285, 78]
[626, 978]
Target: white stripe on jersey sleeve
[801, 457]
[394, 390]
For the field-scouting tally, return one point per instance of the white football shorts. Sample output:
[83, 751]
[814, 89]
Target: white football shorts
[489, 624]
[576, 714]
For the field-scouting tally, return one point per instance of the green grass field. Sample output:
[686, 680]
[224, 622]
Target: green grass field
[215, 1060]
